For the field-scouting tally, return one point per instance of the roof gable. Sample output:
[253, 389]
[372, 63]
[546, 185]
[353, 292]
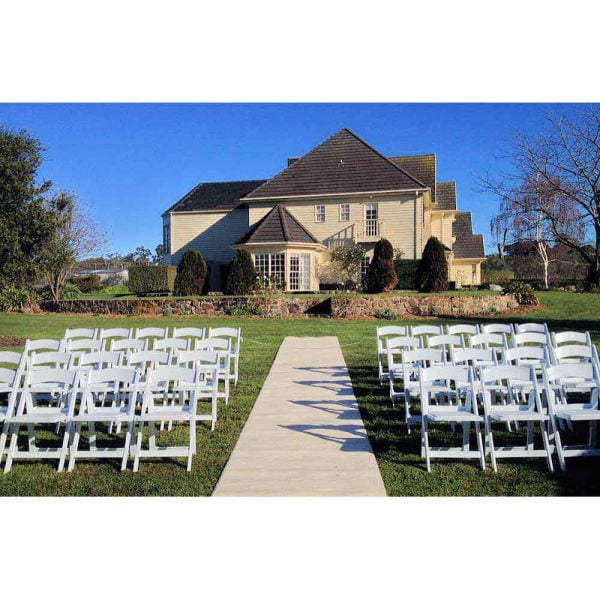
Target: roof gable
[343, 163]
[420, 166]
[467, 245]
[445, 193]
[278, 226]
[215, 195]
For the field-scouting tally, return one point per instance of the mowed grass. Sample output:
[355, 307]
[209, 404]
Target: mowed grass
[397, 453]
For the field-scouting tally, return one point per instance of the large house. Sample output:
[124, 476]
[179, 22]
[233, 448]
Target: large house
[343, 191]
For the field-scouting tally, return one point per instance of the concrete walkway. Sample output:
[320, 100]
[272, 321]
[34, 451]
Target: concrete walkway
[305, 435]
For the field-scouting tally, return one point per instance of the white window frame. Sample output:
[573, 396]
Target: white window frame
[343, 206]
[318, 208]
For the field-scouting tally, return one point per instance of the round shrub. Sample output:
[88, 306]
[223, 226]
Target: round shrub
[381, 275]
[432, 272]
[241, 277]
[191, 274]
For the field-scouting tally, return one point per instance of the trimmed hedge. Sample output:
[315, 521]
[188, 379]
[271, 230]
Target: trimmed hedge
[406, 270]
[152, 279]
[87, 283]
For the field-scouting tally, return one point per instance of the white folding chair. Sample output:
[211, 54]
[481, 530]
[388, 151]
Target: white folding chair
[472, 357]
[31, 414]
[500, 380]
[121, 333]
[424, 331]
[527, 356]
[171, 345]
[102, 359]
[81, 346]
[570, 337]
[412, 361]
[573, 354]
[458, 382]
[383, 333]
[15, 361]
[445, 342]
[394, 348]
[559, 380]
[44, 345]
[123, 384]
[503, 328]
[223, 347]
[465, 330]
[9, 386]
[82, 333]
[190, 333]
[186, 383]
[58, 360]
[147, 359]
[234, 334]
[150, 334]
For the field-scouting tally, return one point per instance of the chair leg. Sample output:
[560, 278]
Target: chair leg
[559, 447]
[74, 446]
[3, 438]
[425, 435]
[138, 447]
[480, 445]
[14, 432]
[65, 446]
[192, 449]
[490, 442]
[547, 446]
[127, 444]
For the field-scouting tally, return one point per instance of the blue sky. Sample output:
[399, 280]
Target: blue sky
[129, 162]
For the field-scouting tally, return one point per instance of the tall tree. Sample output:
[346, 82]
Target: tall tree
[381, 275]
[75, 236]
[432, 272]
[554, 185]
[24, 222]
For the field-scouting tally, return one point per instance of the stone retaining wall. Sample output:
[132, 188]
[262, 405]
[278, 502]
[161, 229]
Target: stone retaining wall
[336, 306]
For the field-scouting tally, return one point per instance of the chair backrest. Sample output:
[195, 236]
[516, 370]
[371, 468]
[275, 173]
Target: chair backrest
[526, 355]
[8, 377]
[462, 329]
[115, 332]
[387, 331]
[505, 328]
[63, 360]
[571, 337]
[101, 359]
[421, 357]
[564, 374]
[531, 328]
[120, 381]
[85, 344]
[232, 333]
[146, 359]
[192, 357]
[172, 376]
[501, 378]
[71, 334]
[37, 345]
[396, 345]
[190, 333]
[127, 345]
[151, 333]
[445, 341]
[474, 357]
[418, 330]
[452, 377]
[67, 379]
[12, 358]
[529, 337]
[573, 353]
[488, 340]
[214, 344]
[172, 344]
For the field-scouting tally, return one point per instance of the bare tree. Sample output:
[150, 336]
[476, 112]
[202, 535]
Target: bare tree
[76, 236]
[500, 230]
[555, 186]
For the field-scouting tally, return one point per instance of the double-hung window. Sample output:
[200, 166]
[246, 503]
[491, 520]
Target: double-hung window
[344, 212]
[320, 213]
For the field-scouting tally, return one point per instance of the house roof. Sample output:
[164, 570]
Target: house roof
[215, 195]
[343, 163]
[467, 244]
[278, 226]
[445, 195]
[420, 166]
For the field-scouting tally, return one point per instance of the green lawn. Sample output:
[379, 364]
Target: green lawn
[397, 453]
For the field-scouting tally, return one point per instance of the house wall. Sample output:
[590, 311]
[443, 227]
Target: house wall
[401, 215]
[212, 233]
[465, 271]
[440, 226]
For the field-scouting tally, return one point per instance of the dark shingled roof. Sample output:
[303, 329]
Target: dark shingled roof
[420, 166]
[341, 164]
[210, 196]
[278, 225]
[467, 245]
[445, 193]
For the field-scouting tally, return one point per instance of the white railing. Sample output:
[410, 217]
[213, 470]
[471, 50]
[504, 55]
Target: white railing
[369, 229]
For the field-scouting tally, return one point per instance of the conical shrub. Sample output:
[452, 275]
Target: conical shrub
[432, 273]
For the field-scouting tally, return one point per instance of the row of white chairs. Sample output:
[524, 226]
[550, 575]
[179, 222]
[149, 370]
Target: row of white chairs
[229, 340]
[453, 394]
[71, 397]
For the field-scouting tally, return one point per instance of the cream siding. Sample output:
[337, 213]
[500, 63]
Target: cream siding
[212, 233]
[465, 271]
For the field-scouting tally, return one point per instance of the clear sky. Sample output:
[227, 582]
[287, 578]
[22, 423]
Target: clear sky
[129, 162]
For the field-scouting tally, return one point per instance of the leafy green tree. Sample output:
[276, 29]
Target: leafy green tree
[432, 273]
[191, 274]
[349, 259]
[381, 276]
[25, 225]
[241, 278]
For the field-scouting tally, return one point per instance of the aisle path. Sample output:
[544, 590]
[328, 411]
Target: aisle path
[305, 435]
